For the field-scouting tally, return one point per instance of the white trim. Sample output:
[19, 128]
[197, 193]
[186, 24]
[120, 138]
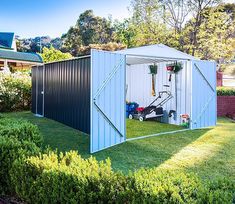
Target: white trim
[64, 60]
[91, 100]
[158, 134]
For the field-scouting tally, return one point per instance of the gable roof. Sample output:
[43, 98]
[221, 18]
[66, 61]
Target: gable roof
[20, 56]
[6, 40]
[157, 51]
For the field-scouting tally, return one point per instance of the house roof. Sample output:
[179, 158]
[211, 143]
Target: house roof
[20, 56]
[6, 40]
[154, 53]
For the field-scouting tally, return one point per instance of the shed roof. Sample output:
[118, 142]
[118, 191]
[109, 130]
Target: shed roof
[20, 56]
[154, 53]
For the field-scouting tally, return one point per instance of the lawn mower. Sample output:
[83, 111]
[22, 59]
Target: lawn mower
[155, 111]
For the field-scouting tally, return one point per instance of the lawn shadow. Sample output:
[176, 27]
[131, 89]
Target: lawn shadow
[149, 152]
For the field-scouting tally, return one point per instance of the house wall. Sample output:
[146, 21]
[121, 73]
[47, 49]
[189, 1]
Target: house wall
[139, 88]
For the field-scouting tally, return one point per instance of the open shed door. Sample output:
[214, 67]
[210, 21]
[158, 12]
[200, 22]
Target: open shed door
[108, 123]
[203, 109]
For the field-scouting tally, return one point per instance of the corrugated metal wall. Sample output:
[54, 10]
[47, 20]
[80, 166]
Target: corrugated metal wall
[139, 86]
[67, 93]
[37, 88]
[34, 87]
[108, 100]
[204, 111]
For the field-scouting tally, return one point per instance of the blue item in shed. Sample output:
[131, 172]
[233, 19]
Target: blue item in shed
[130, 108]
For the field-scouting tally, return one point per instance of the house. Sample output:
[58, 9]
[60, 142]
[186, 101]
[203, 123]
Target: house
[11, 59]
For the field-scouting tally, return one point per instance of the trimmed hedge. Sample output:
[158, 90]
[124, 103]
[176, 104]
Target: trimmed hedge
[18, 139]
[224, 91]
[20, 129]
[49, 177]
[10, 150]
[71, 179]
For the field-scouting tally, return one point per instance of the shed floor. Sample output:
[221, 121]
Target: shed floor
[135, 128]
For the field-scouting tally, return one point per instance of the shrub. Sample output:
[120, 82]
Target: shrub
[68, 178]
[71, 179]
[20, 129]
[10, 150]
[15, 91]
[223, 91]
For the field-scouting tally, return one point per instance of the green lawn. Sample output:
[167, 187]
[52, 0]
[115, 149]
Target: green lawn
[208, 152]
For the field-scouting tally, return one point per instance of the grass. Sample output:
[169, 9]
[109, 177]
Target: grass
[208, 152]
[136, 128]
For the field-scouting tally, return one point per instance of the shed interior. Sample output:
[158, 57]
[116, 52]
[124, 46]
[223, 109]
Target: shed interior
[168, 91]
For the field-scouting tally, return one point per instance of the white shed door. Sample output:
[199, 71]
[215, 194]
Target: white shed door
[203, 113]
[108, 124]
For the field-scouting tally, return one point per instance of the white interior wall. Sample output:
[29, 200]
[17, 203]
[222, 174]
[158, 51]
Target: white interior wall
[139, 87]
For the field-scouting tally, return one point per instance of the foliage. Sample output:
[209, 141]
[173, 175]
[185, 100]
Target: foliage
[224, 91]
[21, 130]
[71, 179]
[15, 91]
[109, 47]
[10, 150]
[17, 139]
[89, 29]
[125, 32]
[51, 55]
[214, 36]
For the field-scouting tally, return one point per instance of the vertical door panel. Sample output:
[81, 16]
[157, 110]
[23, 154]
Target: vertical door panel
[203, 113]
[107, 100]
[40, 90]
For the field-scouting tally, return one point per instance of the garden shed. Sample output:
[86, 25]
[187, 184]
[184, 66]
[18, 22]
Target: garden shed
[90, 93]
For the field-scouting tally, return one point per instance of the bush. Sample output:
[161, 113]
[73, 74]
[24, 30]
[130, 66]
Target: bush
[21, 130]
[224, 91]
[71, 179]
[68, 178]
[10, 150]
[15, 91]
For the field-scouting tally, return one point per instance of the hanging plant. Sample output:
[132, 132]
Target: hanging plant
[174, 67]
[153, 69]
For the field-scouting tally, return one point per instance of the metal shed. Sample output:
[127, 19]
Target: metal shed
[89, 93]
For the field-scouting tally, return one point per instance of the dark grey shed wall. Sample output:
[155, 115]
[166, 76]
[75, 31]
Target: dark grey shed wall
[34, 87]
[37, 90]
[67, 92]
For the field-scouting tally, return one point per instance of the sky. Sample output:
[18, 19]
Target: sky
[31, 18]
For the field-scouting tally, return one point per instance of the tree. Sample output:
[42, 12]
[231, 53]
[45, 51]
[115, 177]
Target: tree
[148, 22]
[214, 35]
[89, 29]
[51, 54]
[175, 13]
[197, 9]
[125, 32]
[84, 50]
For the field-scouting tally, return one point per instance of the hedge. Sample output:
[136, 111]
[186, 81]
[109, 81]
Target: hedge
[51, 177]
[15, 91]
[224, 91]
[71, 179]
[18, 139]
[20, 129]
